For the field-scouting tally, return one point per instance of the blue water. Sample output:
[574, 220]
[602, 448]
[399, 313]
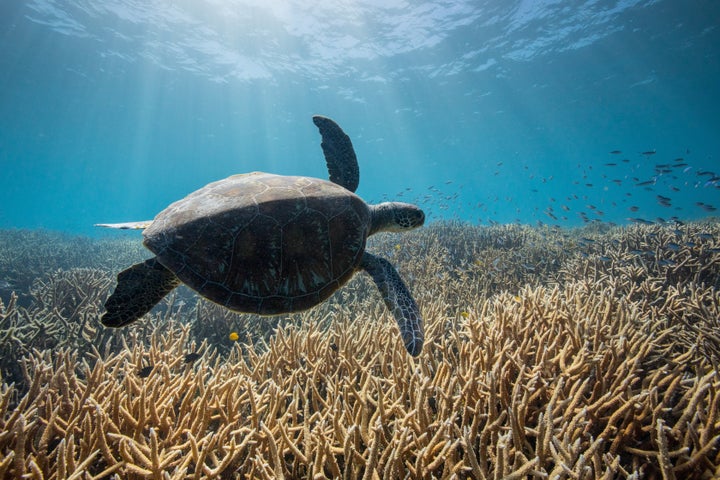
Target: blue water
[484, 111]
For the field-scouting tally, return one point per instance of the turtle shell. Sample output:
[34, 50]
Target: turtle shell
[263, 243]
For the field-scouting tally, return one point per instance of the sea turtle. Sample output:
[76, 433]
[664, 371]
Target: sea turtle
[270, 244]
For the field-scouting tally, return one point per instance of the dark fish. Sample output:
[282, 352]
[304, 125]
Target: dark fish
[616, 152]
[706, 207]
[664, 201]
[634, 208]
[191, 357]
[648, 182]
[649, 152]
[610, 164]
[145, 371]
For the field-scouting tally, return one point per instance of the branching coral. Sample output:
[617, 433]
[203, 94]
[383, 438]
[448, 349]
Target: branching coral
[585, 371]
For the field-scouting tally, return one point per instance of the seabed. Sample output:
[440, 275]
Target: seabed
[586, 353]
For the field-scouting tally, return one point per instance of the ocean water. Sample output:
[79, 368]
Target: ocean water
[484, 111]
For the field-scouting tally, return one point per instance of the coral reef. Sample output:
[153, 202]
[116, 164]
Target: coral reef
[550, 354]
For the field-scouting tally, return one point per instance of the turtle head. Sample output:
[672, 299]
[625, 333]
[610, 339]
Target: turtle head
[395, 217]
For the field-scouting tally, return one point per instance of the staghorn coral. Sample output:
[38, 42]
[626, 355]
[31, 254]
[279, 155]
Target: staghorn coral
[591, 368]
[521, 388]
[26, 255]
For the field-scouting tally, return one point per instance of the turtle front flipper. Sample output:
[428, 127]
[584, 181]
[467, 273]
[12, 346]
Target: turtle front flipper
[139, 288]
[339, 153]
[398, 299]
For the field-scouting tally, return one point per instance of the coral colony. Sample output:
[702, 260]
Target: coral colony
[587, 353]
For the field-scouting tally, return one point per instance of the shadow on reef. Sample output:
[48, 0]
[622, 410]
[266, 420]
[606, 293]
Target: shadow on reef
[550, 353]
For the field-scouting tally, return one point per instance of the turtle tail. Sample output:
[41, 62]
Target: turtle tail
[139, 288]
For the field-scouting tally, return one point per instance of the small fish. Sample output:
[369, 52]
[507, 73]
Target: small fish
[641, 221]
[649, 152]
[464, 314]
[191, 357]
[234, 336]
[616, 152]
[145, 371]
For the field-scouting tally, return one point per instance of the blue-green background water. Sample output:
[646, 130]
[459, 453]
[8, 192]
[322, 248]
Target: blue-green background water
[480, 110]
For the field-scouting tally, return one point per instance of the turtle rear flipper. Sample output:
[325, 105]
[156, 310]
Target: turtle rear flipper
[398, 299]
[139, 288]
